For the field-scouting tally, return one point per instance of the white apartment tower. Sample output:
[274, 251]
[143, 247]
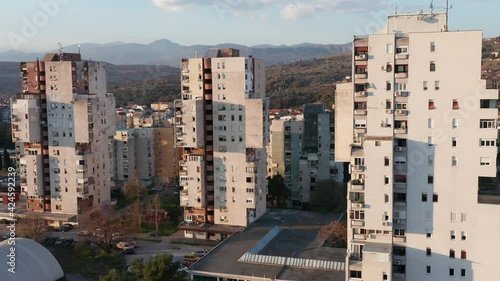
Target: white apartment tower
[418, 126]
[63, 125]
[222, 125]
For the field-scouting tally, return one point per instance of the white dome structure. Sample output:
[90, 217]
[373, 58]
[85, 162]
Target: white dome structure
[32, 262]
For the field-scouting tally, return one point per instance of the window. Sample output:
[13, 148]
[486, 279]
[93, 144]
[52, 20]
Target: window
[436, 85]
[455, 105]
[430, 141]
[384, 276]
[430, 179]
[485, 161]
[452, 272]
[424, 196]
[388, 104]
[428, 252]
[249, 179]
[428, 269]
[355, 274]
[386, 180]
[428, 233]
[386, 198]
[464, 235]
[454, 161]
[487, 124]
[402, 50]
[462, 272]
[430, 160]
[487, 143]
[452, 253]
[378, 143]
[454, 142]
[399, 232]
[453, 217]
[454, 123]
[463, 254]
[433, 47]
[430, 123]
[432, 66]
[426, 86]
[388, 85]
[431, 104]
[452, 235]
[386, 161]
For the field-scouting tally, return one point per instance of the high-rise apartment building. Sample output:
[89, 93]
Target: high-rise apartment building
[146, 153]
[63, 126]
[222, 125]
[424, 127]
[302, 150]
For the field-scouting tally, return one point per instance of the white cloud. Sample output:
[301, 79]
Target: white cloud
[291, 9]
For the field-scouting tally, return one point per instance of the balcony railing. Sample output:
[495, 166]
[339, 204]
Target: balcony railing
[360, 112]
[357, 205]
[362, 94]
[361, 76]
[358, 223]
[401, 75]
[401, 56]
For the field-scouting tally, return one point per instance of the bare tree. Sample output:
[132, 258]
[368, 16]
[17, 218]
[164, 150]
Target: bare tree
[156, 209]
[32, 226]
[102, 225]
[136, 191]
[335, 232]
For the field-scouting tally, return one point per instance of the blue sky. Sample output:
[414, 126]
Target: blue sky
[37, 25]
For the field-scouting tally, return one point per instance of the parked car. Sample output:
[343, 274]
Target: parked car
[155, 234]
[128, 252]
[127, 245]
[191, 258]
[68, 226]
[60, 229]
[52, 240]
[59, 242]
[200, 253]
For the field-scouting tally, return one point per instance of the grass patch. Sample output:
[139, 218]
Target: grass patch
[165, 228]
[89, 262]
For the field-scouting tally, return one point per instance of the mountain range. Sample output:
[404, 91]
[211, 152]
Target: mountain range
[166, 52]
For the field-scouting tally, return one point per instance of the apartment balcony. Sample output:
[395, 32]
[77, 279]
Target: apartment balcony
[401, 94]
[184, 192]
[181, 144]
[178, 113]
[208, 97]
[209, 117]
[357, 205]
[210, 178]
[182, 162]
[359, 236]
[360, 112]
[184, 200]
[361, 94]
[399, 239]
[358, 168]
[401, 56]
[183, 173]
[400, 169]
[361, 76]
[357, 185]
[399, 203]
[399, 186]
[358, 223]
[208, 86]
[361, 57]
[208, 76]
[210, 187]
[360, 130]
[401, 112]
[210, 197]
[401, 75]
[401, 131]
[209, 157]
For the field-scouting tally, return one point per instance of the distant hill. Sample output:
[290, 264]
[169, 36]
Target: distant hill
[165, 52]
[116, 74]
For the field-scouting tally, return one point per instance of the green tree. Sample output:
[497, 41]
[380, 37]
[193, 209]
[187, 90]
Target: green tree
[329, 196]
[113, 275]
[278, 194]
[158, 268]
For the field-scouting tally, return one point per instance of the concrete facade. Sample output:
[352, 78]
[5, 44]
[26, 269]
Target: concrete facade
[62, 122]
[222, 126]
[424, 127]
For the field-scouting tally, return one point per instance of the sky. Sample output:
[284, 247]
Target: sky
[38, 25]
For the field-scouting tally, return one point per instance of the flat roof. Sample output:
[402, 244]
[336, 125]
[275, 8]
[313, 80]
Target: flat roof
[299, 237]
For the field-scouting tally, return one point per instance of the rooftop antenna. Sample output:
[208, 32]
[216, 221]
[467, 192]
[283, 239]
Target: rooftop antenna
[59, 46]
[431, 6]
[447, 8]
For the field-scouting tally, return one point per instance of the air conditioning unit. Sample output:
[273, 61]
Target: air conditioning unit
[362, 56]
[397, 262]
[399, 111]
[398, 221]
[388, 111]
[398, 94]
[384, 223]
[400, 148]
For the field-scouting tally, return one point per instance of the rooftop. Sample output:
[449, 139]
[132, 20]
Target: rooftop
[298, 238]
